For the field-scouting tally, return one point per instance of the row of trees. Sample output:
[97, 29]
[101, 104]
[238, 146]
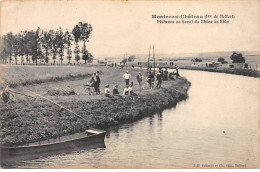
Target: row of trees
[38, 46]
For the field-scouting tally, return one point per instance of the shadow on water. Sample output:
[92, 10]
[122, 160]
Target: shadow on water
[129, 126]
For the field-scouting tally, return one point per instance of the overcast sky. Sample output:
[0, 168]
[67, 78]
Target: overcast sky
[120, 27]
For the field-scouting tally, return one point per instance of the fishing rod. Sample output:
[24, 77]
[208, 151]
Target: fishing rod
[57, 104]
[20, 93]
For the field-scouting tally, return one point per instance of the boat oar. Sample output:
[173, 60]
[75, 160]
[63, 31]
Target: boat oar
[57, 104]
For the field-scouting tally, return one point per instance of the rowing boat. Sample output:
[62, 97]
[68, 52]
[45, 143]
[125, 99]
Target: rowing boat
[91, 138]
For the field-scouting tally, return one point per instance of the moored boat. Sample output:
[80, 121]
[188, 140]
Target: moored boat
[91, 138]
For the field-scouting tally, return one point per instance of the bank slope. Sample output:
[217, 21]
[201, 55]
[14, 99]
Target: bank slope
[38, 120]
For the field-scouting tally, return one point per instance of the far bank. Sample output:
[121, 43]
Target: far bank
[244, 72]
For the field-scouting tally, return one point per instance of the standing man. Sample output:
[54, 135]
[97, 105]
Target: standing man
[94, 82]
[126, 76]
[159, 79]
[139, 78]
[177, 71]
[149, 79]
[98, 82]
[165, 75]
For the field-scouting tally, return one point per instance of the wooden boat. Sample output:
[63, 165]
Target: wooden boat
[91, 138]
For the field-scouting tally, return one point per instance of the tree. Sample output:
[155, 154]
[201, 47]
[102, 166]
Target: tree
[16, 47]
[1, 49]
[4, 49]
[21, 43]
[60, 43]
[77, 51]
[124, 61]
[85, 31]
[222, 60]
[29, 41]
[84, 54]
[90, 58]
[36, 49]
[9, 45]
[131, 59]
[46, 43]
[237, 58]
[54, 45]
[77, 34]
[68, 41]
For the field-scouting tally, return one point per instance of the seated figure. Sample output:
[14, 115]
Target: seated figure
[115, 90]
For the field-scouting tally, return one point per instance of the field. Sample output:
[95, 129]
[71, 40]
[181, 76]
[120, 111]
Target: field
[32, 119]
[32, 74]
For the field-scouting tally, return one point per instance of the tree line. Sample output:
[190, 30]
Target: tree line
[46, 45]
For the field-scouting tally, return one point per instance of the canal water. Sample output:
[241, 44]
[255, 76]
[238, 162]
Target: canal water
[216, 127]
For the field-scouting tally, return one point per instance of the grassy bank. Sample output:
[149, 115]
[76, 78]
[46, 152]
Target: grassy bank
[28, 120]
[244, 72]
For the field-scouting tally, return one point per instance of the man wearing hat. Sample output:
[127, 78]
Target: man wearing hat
[139, 78]
[150, 79]
[159, 79]
[126, 76]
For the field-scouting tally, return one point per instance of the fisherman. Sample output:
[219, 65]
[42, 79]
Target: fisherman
[149, 79]
[177, 71]
[115, 90]
[95, 82]
[171, 75]
[6, 95]
[126, 76]
[129, 90]
[107, 91]
[159, 79]
[98, 82]
[165, 75]
[139, 78]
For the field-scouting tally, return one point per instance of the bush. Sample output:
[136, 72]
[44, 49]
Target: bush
[237, 58]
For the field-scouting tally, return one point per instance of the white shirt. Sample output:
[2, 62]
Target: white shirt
[129, 89]
[126, 76]
[107, 91]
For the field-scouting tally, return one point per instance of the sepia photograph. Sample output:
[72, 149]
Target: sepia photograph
[110, 84]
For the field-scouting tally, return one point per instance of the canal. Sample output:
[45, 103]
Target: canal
[217, 126]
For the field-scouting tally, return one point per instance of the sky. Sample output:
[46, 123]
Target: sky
[127, 27]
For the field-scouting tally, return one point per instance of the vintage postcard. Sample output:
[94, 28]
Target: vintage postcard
[129, 84]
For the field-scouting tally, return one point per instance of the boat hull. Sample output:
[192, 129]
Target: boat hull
[10, 155]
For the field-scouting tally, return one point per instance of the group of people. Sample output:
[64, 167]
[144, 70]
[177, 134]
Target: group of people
[152, 81]
[128, 90]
